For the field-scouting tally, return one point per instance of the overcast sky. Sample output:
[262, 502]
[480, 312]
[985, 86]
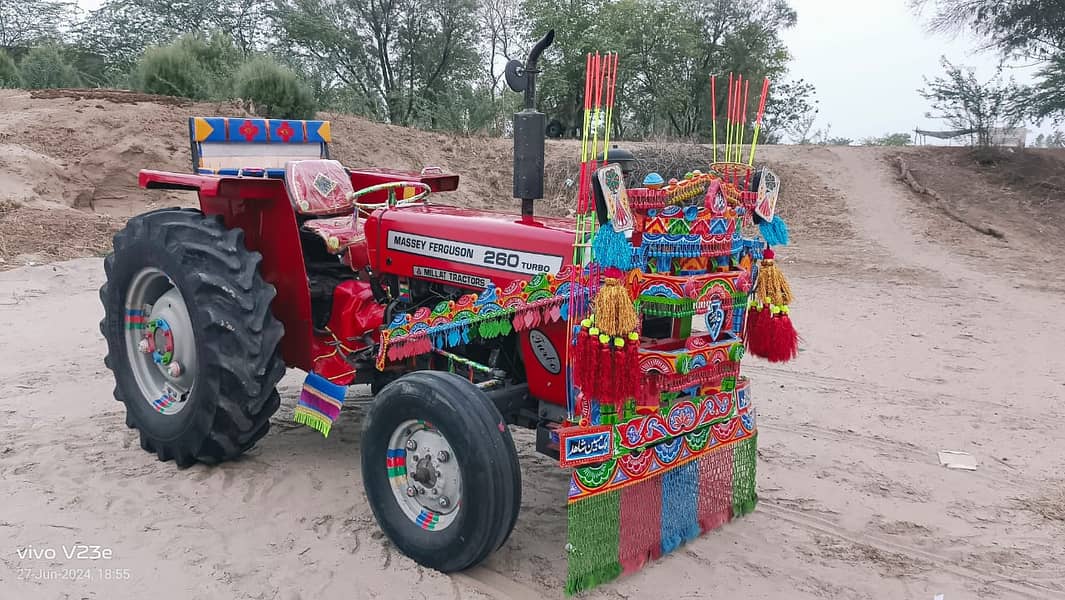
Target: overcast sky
[867, 59]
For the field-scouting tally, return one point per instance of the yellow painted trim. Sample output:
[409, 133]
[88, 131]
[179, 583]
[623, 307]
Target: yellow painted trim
[326, 131]
[201, 128]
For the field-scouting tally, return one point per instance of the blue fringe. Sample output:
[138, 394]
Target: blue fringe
[680, 501]
[611, 248]
[775, 232]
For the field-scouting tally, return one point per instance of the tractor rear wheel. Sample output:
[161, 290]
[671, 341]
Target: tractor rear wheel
[440, 470]
[190, 336]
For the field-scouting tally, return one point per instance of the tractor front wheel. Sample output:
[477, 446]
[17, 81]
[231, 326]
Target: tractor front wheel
[440, 470]
[190, 336]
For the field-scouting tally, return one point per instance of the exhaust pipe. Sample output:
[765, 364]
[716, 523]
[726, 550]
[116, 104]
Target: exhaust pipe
[529, 129]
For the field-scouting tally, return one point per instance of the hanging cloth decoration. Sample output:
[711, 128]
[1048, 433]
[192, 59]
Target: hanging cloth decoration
[770, 332]
[320, 403]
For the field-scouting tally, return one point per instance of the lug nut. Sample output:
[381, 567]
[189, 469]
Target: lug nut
[443, 456]
[411, 492]
[142, 346]
[412, 445]
[174, 369]
[444, 502]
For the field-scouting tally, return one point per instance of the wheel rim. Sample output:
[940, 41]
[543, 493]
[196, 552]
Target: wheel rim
[425, 475]
[160, 343]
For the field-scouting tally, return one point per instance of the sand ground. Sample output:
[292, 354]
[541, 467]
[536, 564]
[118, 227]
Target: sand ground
[911, 345]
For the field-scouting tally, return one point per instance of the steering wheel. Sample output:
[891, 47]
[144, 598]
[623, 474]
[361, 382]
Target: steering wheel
[392, 202]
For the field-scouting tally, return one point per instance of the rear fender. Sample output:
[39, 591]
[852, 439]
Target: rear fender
[261, 208]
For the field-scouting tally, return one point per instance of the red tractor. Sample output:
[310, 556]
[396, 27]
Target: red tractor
[294, 261]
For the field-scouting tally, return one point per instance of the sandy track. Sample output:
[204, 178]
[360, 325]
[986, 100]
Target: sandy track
[910, 348]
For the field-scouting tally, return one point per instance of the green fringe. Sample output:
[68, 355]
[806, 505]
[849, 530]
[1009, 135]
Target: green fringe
[313, 421]
[744, 468]
[593, 538]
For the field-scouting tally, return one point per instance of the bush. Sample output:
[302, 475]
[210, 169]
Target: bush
[172, 71]
[9, 77]
[46, 67]
[274, 91]
[219, 58]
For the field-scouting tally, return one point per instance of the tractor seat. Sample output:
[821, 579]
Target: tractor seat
[338, 233]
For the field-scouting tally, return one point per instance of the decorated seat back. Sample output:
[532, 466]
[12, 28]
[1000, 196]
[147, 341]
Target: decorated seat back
[254, 147]
[319, 187]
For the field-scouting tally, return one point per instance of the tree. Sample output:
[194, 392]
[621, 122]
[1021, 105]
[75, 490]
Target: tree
[121, 30]
[1029, 29]
[1049, 98]
[274, 91]
[9, 77]
[1040, 141]
[790, 110]
[889, 139]
[25, 23]
[402, 59]
[46, 67]
[968, 104]
[666, 61]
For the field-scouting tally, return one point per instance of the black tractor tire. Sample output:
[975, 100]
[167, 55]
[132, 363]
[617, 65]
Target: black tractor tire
[488, 466]
[236, 335]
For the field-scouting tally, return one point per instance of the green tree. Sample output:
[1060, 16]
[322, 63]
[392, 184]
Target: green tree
[791, 111]
[32, 22]
[665, 62]
[274, 91]
[9, 77]
[967, 103]
[1031, 29]
[172, 71]
[47, 67]
[398, 60]
[121, 30]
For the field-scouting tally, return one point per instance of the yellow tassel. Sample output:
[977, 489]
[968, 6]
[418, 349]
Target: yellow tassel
[771, 286]
[615, 314]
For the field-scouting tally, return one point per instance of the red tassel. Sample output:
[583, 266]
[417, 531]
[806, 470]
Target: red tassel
[604, 377]
[758, 331]
[772, 337]
[783, 339]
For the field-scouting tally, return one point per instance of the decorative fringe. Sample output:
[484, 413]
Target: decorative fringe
[641, 534]
[319, 404]
[774, 232]
[611, 248]
[615, 313]
[771, 287]
[620, 530]
[744, 473]
[716, 472]
[593, 540]
[680, 495]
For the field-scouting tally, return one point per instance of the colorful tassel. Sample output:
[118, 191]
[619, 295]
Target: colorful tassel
[611, 248]
[774, 232]
[771, 287]
[320, 403]
[615, 313]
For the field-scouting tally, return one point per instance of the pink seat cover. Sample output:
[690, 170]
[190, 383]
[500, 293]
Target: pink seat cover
[318, 187]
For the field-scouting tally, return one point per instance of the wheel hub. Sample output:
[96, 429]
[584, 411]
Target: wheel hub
[426, 479]
[161, 345]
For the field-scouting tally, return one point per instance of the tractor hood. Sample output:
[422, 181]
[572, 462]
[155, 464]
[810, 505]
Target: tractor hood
[464, 247]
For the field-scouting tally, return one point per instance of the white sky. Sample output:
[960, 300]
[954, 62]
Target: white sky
[867, 58]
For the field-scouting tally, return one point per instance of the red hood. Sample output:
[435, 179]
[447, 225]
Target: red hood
[466, 247]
